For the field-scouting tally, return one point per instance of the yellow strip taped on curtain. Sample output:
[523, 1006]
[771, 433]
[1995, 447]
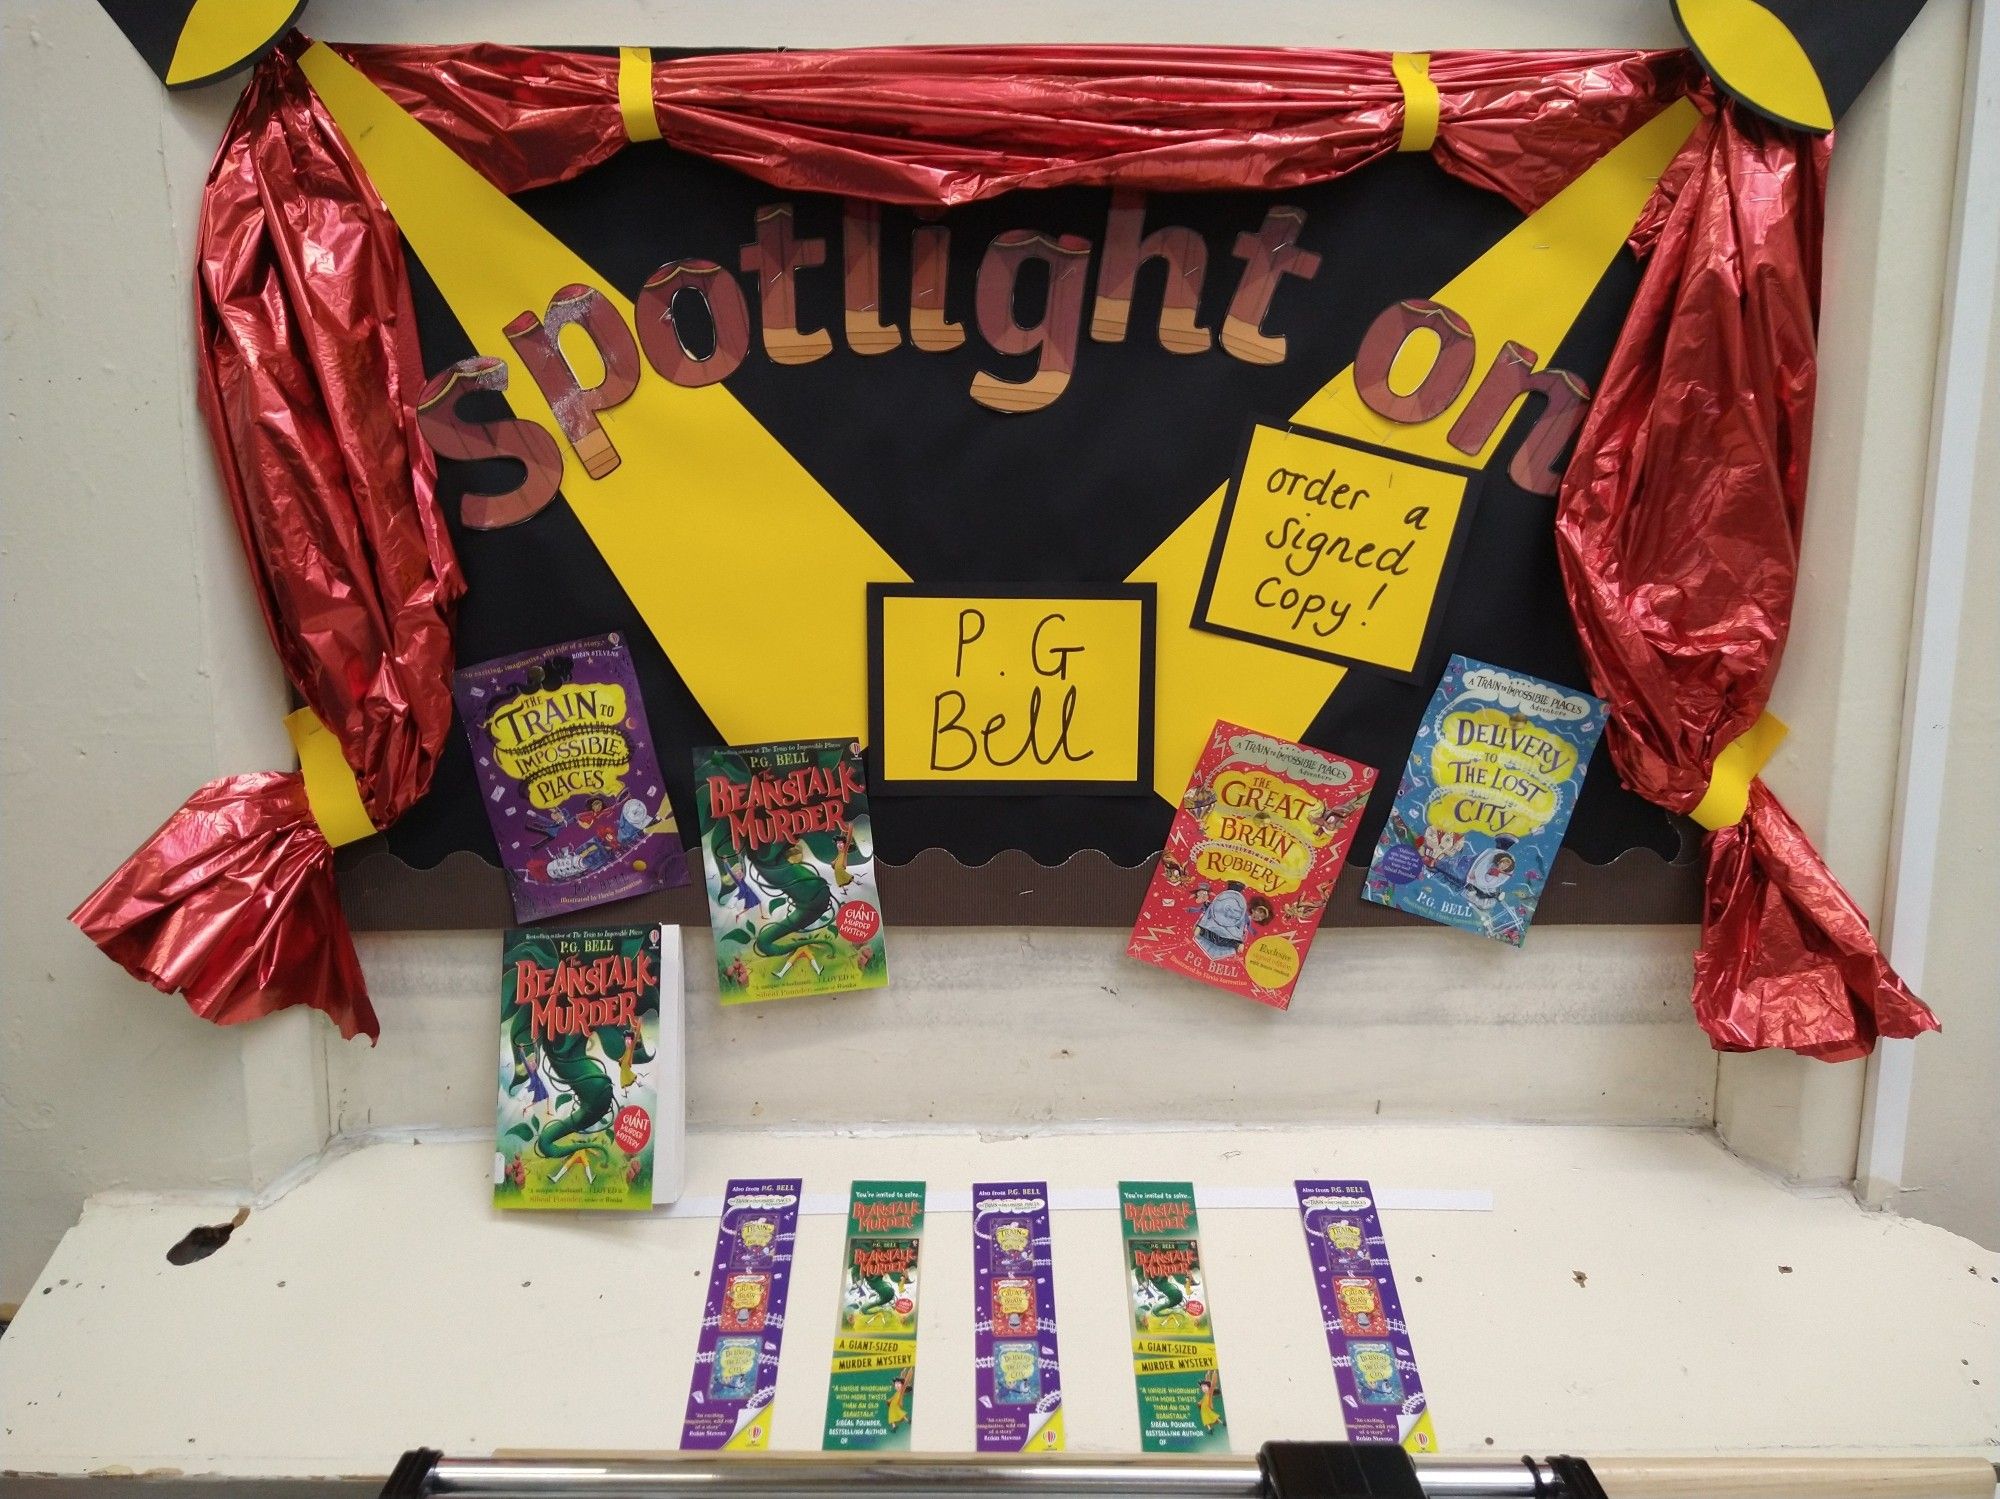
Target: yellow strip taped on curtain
[635, 93]
[331, 789]
[1420, 100]
[1728, 794]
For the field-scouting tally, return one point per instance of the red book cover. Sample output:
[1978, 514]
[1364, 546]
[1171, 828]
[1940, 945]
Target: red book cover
[1251, 858]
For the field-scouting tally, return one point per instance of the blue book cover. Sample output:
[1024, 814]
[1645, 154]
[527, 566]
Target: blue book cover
[1485, 798]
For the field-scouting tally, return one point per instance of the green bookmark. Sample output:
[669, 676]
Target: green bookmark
[873, 1395]
[1173, 1337]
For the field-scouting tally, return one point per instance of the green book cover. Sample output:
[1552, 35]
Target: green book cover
[579, 1029]
[789, 858]
[872, 1396]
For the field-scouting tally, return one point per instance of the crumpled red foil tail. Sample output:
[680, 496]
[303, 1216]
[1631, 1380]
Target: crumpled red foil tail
[1677, 529]
[232, 903]
[1786, 957]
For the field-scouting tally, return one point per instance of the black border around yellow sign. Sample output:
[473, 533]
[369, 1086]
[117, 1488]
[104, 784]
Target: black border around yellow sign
[1454, 551]
[1139, 783]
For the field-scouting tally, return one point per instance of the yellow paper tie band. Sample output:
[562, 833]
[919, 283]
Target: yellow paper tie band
[1420, 100]
[330, 786]
[1728, 794]
[635, 93]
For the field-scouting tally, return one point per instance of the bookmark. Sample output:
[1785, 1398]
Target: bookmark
[1381, 1394]
[872, 1396]
[735, 1379]
[1173, 1336]
[1017, 1373]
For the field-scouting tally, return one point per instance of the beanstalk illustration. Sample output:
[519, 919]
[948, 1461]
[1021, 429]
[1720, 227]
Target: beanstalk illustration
[568, 1063]
[793, 883]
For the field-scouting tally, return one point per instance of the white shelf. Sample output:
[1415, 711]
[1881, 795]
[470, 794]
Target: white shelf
[1629, 1291]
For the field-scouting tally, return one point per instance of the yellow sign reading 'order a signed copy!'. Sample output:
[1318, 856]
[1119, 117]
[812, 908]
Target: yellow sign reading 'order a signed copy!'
[1011, 689]
[1334, 548]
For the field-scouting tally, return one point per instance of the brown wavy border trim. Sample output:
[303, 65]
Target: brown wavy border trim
[383, 894]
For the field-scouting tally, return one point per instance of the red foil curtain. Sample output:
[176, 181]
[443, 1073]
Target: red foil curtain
[308, 371]
[308, 383]
[1678, 530]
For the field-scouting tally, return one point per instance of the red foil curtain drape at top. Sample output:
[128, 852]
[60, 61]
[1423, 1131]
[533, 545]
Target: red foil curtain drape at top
[946, 125]
[310, 369]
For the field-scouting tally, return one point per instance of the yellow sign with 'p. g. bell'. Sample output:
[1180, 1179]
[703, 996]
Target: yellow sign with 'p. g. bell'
[1010, 690]
[1334, 548]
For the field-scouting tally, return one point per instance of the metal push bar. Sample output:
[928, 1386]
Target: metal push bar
[1282, 1470]
[918, 1478]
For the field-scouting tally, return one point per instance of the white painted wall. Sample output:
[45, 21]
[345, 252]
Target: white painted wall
[1841, 689]
[135, 659]
[1010, 1029]
[1951, 1173]
[136, 668]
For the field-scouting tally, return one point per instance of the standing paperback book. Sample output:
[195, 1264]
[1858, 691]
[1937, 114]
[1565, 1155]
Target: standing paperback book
[788, 853]
[1485, 797]
[580, 1044]
[1250, 860]
[568, 774]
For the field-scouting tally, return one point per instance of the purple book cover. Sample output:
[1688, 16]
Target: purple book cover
[1016, 1372]
[568, 774]
[1381, 1394]
[736, 1363]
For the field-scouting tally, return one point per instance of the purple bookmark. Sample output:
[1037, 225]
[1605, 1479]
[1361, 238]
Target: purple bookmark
[1016, 1371]
[731, 1395]
[1381, 1394]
